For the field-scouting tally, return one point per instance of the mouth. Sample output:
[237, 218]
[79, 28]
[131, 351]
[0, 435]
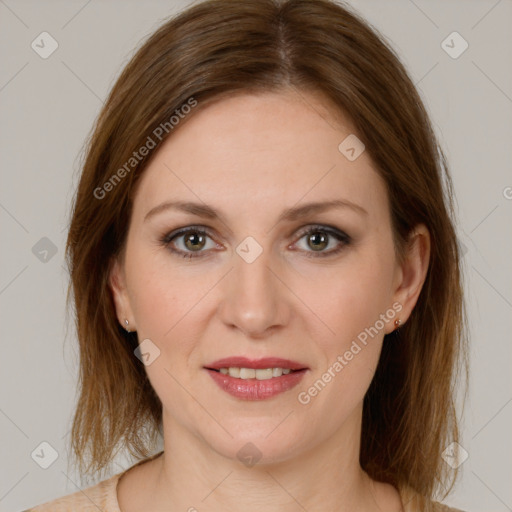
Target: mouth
[248, 379]
[252, 373]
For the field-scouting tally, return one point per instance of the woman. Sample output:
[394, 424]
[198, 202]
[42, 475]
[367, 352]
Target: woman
[265, 271]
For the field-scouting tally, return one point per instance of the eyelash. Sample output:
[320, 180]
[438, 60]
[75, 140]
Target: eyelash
[337, 234]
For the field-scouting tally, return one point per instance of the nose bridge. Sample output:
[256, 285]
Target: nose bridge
[254, 300]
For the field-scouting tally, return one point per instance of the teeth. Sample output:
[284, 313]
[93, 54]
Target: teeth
[234, 372]
[251, 373]
[246, 373]
[264, 374]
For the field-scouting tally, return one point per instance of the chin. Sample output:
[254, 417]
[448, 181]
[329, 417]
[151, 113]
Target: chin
[260, 444]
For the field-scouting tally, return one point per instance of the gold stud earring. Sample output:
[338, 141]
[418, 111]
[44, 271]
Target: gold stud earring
[398, 323]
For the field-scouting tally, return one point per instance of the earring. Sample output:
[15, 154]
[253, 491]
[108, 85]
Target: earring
[398, 322]
[127, 324]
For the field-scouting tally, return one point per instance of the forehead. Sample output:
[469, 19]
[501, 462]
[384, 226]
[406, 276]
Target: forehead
[260, 151]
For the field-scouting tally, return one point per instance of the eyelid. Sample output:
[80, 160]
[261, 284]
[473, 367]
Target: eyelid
[343, 238]
[332, 231]
[168, 237]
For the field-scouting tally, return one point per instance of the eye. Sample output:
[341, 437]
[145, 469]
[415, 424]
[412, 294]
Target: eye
[318, 238]
[193, 240]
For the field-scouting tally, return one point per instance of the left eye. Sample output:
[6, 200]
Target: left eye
[317, 238]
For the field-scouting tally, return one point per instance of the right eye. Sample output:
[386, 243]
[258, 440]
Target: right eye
[192, 238]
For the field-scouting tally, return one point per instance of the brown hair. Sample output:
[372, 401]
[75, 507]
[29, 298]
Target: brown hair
[219, 47]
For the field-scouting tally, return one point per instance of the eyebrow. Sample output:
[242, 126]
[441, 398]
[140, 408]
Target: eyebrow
[290, 214]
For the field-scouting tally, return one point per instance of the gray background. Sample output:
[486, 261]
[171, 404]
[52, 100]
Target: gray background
[48, 107]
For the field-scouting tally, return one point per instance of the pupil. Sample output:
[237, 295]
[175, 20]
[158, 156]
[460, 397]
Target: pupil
[322, 240]
[191, 236]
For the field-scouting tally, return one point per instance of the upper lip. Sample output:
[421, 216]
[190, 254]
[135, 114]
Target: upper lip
[265, 362]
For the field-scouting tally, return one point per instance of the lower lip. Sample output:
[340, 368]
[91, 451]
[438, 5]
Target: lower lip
[254, 389]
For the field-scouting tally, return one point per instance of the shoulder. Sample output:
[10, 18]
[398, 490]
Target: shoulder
[101, 496]
[440, 507]
[414, 502]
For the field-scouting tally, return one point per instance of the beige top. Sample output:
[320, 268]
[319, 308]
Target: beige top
[103, 496]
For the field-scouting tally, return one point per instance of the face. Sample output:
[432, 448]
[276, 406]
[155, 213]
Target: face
[316, 290]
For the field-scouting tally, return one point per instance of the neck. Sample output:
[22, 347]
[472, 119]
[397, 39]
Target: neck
[192, 476]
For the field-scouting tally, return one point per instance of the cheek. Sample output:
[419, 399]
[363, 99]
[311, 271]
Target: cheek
[351, 300]
[160, 293]
[349, 357]
[349, 296]
[346, 295]
[168, 309]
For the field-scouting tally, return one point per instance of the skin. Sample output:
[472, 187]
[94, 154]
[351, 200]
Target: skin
[250, 157]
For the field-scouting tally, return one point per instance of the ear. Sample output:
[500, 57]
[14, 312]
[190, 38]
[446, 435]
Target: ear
[412, 271]
[117, 284]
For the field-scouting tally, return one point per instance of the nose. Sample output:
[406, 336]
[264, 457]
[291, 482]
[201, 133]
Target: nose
[255, 299]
